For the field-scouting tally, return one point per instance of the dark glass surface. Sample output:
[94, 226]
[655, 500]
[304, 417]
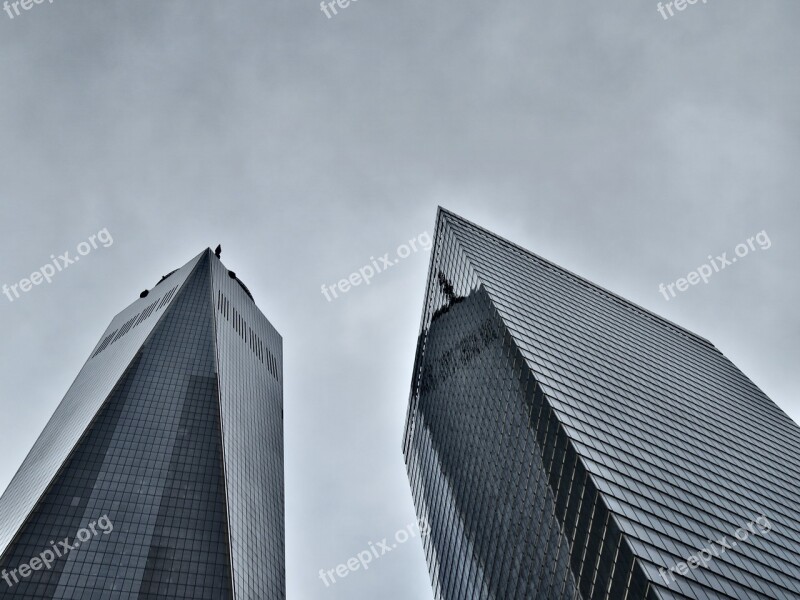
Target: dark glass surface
[177, 457]
[152, 462]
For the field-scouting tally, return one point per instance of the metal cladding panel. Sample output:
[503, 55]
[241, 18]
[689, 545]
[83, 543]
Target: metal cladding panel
[83, 400]
[680, 448]
[250, 363]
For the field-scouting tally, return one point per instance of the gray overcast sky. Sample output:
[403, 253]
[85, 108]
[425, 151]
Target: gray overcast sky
[622, 146]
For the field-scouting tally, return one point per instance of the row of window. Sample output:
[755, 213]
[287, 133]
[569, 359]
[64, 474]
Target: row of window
[247, 334]
[135, 321]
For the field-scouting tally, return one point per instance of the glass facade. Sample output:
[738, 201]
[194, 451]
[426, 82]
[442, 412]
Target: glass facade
[250, 364]
[160, 459]
[565, 443]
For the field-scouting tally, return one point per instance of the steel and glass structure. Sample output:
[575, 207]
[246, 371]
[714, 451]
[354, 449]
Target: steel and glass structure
[173, 430]
[564, 443]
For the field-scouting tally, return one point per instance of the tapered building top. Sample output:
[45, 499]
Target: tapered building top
[172, 433]
[566, 443]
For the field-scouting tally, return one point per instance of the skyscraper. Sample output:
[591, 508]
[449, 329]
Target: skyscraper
[563, 442]
[170, 441]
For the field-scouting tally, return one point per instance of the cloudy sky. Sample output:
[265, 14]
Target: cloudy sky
[622, 146]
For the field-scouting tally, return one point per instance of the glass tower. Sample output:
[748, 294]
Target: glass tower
[564, 443]
[171, 440]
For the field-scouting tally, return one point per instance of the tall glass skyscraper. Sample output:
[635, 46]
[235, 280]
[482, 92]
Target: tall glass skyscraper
[161, 471]
[564, 443]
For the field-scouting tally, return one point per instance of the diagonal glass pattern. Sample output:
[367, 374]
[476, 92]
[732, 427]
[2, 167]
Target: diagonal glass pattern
[678, 446]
